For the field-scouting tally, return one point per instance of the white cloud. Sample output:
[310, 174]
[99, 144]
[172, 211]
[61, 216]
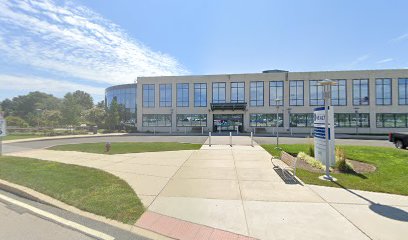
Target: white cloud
[30, 83]
[359, 60]
[73, 40]
[400, 38]
[385, 60]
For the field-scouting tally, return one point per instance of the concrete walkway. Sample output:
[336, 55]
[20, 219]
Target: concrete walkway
[236, 189]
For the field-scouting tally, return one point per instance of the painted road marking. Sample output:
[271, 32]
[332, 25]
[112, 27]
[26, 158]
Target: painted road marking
[61, 220]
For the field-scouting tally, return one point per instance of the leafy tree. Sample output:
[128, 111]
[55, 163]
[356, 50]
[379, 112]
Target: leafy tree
[16, 122]
[112, 116]
[71, 110]
[84, 99]
[95, 116]
[51, 118]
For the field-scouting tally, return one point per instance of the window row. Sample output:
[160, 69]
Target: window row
[360, 93]
[340, 120]
[392, 120]
[265, 120]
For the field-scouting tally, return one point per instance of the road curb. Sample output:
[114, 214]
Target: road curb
[63, 137]
[33, 195]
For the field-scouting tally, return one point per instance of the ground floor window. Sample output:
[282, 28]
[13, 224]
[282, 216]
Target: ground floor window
[352, 120]
[191, 120]
[301, 120]
[265, 120]
[392, 120]
[156, 120]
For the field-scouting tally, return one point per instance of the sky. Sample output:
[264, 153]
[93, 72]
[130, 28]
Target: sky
[58, 46]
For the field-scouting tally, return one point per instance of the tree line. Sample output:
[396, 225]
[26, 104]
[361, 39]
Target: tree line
[38, 109]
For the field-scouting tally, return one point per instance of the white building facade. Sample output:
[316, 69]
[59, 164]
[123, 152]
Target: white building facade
[372, 101]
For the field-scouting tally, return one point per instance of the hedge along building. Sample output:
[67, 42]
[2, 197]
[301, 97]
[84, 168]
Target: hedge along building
[369, 101]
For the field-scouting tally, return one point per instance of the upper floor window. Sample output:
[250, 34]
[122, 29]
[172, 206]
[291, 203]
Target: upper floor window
[237, 92]
[218, 92]
[148, 95]
[316, 97]
[383, 91]
[339, 93]
[256, 96]
[275, 92]
[360, 92]
[165, 95]
[403, 91]
[182, 95]
[200, 94]
[296, 93]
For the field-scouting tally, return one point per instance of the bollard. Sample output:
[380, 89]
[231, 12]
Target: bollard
[231, 139]
[202, 130]
[185, 130]
[209, 138]
[154, 130]
[254, 131]
[252, 140]
[237, 129]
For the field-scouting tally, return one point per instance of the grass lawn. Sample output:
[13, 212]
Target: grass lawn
[127, 147]
[88, 189]
[20, 136]
[391, 175]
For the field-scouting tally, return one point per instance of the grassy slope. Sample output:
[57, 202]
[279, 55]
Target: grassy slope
[127, 147]
[88, 189]
[391, 175]
[20, 136]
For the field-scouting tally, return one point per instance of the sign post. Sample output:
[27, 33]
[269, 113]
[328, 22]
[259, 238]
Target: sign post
[2, 132]
[324, 131]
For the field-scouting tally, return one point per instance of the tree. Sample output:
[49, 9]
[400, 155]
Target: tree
[112, 115]
[16, 122]
[51, 118]
[83, 99]
[71, 110]
[95, 116]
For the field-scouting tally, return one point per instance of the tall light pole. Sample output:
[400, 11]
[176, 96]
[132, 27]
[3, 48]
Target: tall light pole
[357, 118]
[277, 101]
[327, 83]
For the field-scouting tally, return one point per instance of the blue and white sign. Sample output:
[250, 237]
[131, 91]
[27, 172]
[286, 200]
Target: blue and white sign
[320, 135]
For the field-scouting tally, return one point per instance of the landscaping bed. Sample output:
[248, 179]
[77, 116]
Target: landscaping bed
[85, 188]
[127, 147]
[390, 175]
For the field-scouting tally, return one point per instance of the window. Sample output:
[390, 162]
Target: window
[339, 93]
[275, 92]
[265, 120]
[200, 94]
[383, 91]
[316, 91]
[218, 92]
[165, 95]
[148, 95]
[237, 92]
[360, 92]
[182, 95]
[403, 91]
[352, 120]
[296, 93]
[191, 120]
[301, 120]
[156, 120]
[256, 96]
[392, 120]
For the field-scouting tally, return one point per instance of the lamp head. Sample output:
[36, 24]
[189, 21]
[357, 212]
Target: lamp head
[326, 82]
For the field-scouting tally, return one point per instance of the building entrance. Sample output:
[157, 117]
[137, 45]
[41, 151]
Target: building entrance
[228, 122]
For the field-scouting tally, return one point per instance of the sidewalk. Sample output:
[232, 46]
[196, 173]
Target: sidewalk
[237, 190]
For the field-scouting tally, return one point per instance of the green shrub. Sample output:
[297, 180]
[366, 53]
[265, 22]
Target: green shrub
[310, 148]
[310, 160]
[341, 163]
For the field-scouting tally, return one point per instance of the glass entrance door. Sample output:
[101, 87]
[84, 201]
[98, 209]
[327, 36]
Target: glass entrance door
[228, 122]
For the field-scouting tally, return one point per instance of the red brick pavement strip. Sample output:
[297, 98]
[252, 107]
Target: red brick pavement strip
[184, 230]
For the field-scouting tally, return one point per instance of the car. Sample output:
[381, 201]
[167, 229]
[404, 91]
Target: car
[399, 139]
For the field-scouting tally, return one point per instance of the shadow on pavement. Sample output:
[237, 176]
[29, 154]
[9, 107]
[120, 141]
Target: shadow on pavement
[383, 210]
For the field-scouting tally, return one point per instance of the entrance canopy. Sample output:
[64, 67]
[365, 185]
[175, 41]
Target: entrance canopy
[228, 106]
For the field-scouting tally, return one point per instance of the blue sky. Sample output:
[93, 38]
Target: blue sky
[60, 46]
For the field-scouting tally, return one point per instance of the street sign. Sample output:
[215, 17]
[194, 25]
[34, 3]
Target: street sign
[2, 126]
[320, 147]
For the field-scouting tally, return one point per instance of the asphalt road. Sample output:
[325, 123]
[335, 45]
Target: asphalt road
[21, 146]
[18, 222]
